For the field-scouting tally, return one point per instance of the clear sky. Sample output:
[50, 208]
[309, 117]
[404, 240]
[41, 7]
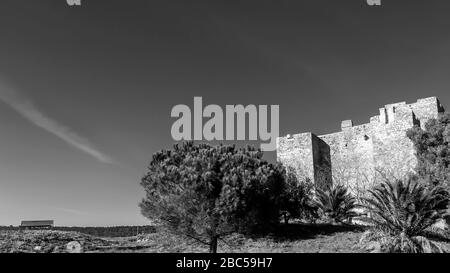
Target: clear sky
[86, 92]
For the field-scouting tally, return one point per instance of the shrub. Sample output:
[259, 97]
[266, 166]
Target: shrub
[336, 204]
[297, 199]
[403, 212]
[432, 147]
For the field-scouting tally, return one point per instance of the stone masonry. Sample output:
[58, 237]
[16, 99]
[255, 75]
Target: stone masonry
[360, 155]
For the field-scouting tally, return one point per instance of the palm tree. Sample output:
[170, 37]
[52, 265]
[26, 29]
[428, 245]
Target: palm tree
[336, 203]
[404, 212]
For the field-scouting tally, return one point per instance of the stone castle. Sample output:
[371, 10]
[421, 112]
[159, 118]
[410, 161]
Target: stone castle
[357, 155]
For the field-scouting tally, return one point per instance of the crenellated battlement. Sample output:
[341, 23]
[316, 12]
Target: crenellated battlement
[358, 152]
[422, 110]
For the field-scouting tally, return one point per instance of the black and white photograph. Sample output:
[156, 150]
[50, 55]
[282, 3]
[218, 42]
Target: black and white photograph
[242, 128]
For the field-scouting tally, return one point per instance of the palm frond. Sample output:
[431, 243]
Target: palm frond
[405, 211]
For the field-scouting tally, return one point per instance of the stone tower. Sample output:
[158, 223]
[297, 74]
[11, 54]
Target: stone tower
[358, 155]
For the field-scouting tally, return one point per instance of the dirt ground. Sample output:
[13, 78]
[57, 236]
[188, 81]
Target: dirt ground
[290, 239]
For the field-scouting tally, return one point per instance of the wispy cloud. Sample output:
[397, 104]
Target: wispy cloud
[29, 111]
[72, 211]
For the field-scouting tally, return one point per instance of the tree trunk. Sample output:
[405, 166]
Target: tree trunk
[213, 245]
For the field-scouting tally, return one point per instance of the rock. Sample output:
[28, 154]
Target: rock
[74, 247]
[142, 240]
[37, 248]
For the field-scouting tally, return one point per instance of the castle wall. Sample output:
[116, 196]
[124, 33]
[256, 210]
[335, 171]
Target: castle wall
[393, 152]
[295, 152]
[351, 153]
[426, 109]
[307, 155]
[322, 162]
[361, 155]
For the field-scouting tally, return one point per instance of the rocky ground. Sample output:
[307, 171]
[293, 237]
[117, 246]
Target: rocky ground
[47, 241]
[294, 239]
[302, 240]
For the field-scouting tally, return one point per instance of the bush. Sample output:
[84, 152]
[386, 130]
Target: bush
[206, 192]
[336, 204]
[403, 212]
[297, 199]
[432, 147]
